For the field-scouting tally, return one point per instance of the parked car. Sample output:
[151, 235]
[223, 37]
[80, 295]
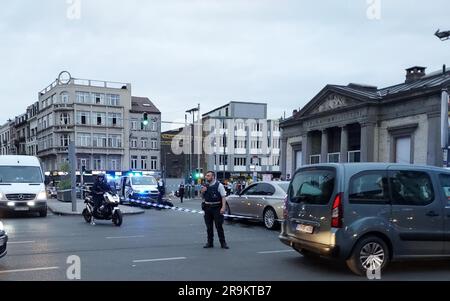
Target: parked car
[3, 240]
[368, 214]
[260, 201]
[22, 187]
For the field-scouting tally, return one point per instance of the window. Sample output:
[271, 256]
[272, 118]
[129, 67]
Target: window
[256, 144]
[133, 143]
[445, 185]
[369, 188]
[312, 187]
[114, 119]
[83, 117]
[154, 163]
[65, 119]
[83, 97]
[115, 141]
[257, 127]
[64, 96]
[83, 163]
[411, 188]
[238, 143]
[276, 127]
[223, 160]
[144, 143]
[134, 162]
[240, 126]
[99, 140]
[134, 125]
[65, 140]
[98, 118]
[153, 126]
[275, 160]
[98, 164]
[154, 143]
[144, 162]
[240, 161]
[113, 100]
[251, 190]
[276, 143]
[265, 189]
[98, 98]
[114, 164]
[403, 150]
[84, 139]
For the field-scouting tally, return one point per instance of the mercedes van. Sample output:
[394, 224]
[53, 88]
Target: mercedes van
[22, 187]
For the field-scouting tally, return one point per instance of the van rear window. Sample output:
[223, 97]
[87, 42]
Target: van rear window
[21, 174]
[312, 187]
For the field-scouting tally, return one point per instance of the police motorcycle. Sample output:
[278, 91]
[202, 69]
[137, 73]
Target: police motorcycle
[109, 210]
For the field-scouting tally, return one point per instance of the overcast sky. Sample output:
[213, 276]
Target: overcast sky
[180, 53]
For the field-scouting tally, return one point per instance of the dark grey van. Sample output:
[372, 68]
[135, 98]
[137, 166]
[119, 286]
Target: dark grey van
[368, 214]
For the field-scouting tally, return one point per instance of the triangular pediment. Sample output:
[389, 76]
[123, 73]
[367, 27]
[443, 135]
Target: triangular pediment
[328, 100]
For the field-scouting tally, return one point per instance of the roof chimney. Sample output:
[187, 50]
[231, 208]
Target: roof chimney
[414, 73]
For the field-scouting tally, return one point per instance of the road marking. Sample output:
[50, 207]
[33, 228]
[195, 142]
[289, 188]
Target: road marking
[29, 270]
[20, 242]
[159, 259]
[124, 237]
[273, 252]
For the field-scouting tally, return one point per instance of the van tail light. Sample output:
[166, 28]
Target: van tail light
[337, 212]
[285, 210]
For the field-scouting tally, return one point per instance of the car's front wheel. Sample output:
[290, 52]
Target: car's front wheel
[369, 254]
[43, 212]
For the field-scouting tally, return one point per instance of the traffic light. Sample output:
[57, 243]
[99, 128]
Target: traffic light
[145, 120]
[198, 174]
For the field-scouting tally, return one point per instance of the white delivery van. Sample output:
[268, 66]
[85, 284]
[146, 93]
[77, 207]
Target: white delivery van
[22, 187]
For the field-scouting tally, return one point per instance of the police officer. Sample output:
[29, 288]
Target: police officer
[214, 207]
[99, 188]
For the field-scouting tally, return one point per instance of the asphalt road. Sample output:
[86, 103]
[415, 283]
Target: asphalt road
[167, 245]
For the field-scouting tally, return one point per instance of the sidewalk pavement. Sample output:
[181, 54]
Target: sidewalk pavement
[61, 208]
[193, 204]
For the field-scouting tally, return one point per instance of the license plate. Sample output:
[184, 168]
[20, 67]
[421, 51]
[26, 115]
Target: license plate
[21, 209]
[305, 229]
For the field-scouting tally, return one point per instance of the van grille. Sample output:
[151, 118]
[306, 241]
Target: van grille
[20, 197]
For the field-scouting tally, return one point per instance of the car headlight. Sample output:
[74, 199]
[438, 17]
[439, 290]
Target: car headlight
[42, 196]
[1, 196]
[2, 228]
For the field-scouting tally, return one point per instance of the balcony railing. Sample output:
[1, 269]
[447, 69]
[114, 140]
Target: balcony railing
[334, 157]
[314, 159]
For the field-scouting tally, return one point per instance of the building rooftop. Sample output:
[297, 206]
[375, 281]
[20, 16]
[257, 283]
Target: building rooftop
[143, 105]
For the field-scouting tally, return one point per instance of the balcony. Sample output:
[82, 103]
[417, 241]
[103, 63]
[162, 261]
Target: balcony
[240, 151]
[334, 157]
[256, 134]
[354, 156]
[62, 107]
[63, 128]
[256, 151]
[240, 168]
[240, 133]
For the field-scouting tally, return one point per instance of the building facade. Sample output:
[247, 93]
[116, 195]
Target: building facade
[145, 140]
[6, 144]
[174, 165]
[241, 141]
[360, 123]
[32, 126]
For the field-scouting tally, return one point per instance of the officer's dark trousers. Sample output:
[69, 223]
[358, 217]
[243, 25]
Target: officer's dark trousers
[213, 216]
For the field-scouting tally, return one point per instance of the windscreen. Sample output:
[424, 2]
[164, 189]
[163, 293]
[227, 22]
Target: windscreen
[21, 174]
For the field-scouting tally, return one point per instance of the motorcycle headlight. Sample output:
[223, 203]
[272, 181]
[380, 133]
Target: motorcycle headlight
[42, 196]
[2, 228]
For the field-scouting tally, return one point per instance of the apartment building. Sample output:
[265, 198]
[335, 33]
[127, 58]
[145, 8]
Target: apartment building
[145, 140]
[31, 144]
[6, 145]
[242, 141]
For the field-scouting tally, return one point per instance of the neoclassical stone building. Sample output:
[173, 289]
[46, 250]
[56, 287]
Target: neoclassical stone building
[360, 123]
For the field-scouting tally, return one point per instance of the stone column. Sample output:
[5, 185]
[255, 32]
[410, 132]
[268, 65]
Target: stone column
[367, 141]
[344, 144]
[324, 147]
[306, 148]
[283, 155]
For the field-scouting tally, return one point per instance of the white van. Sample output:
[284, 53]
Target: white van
[136, 187]
[22, 187]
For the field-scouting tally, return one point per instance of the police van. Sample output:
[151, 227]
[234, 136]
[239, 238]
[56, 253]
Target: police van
[136, 187]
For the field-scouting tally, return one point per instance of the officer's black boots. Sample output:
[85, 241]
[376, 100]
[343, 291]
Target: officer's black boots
[225, 246]
[208, 246]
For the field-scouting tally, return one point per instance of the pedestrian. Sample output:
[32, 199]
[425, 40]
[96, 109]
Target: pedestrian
[181, 192]
[161, 190]
[214, 207]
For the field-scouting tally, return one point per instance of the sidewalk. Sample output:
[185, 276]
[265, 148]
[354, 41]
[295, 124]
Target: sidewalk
[193, 204]
[60, 208]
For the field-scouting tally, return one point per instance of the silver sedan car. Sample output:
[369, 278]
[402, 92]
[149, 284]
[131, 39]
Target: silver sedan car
[260, 201]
